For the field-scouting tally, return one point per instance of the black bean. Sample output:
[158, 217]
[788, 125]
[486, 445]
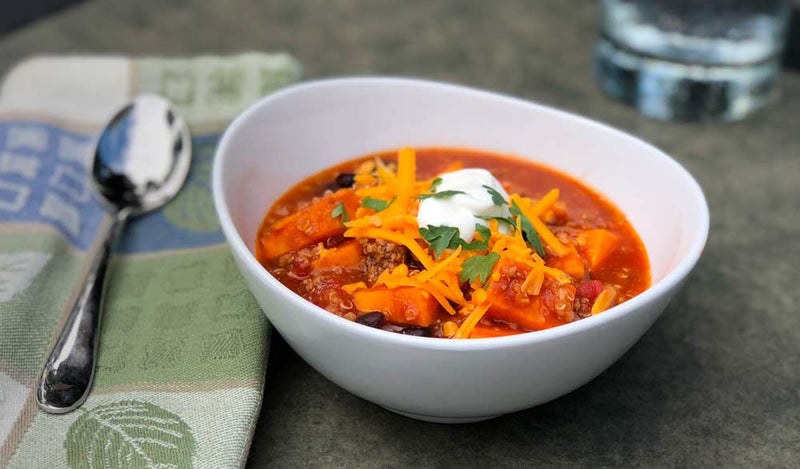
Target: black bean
[334, 241]
[373, 319]
[413, 263]
[345, 179]
[416, 331]
[389, 327]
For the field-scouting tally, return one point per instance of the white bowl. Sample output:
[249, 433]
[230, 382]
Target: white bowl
[301, 130]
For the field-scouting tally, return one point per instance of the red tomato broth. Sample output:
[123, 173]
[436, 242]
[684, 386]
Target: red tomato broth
[626, 270]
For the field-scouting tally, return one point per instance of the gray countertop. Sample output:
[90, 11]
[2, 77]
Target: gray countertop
[716, 380]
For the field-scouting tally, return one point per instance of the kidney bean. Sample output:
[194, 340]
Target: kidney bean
[590, 290]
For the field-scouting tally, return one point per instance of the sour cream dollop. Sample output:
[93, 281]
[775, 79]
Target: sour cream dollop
[462, 210]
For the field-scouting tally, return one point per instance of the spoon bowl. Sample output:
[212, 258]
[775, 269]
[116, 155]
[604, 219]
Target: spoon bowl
[140, 162]
[141, 177]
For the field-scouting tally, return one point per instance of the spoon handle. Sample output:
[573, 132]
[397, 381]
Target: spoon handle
[67, 375]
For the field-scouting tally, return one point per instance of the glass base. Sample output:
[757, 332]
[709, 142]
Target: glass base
[666, 90]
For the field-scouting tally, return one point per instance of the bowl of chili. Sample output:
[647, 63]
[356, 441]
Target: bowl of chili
[567, 255]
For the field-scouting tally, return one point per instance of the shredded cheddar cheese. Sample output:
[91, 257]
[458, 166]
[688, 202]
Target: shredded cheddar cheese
[472, 320]
[364, 179]
[541, 229]
[406, 171]
[548, 237]
[351, 287]
[533, 282]
[545, 202]
[603, 301]
[440, 266]
[386, 174]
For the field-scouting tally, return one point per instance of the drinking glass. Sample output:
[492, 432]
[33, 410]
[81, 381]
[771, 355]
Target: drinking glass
[691, 59]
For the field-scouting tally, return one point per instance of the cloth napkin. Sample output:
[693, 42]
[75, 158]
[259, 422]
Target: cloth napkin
[184, 346]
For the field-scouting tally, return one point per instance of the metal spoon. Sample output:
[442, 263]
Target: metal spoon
[140, 162]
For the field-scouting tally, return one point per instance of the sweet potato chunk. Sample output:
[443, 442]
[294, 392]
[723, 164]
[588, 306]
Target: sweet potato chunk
[308, 225]
[597, 245]
[481, 331]
[571, 263]
[511, 304]
[345, 255]
[402, 305]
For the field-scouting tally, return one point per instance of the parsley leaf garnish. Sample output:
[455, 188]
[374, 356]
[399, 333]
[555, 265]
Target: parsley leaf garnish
[375, 204]
[478, 268]
[527, 229]
[340, 211]
[476, 245]
[440, 237]
[497, 198]
[508, 220]
[449, 237]
[439, 195]
[435, 184]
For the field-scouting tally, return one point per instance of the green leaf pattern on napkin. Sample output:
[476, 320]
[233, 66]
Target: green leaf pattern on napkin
[129, 433]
